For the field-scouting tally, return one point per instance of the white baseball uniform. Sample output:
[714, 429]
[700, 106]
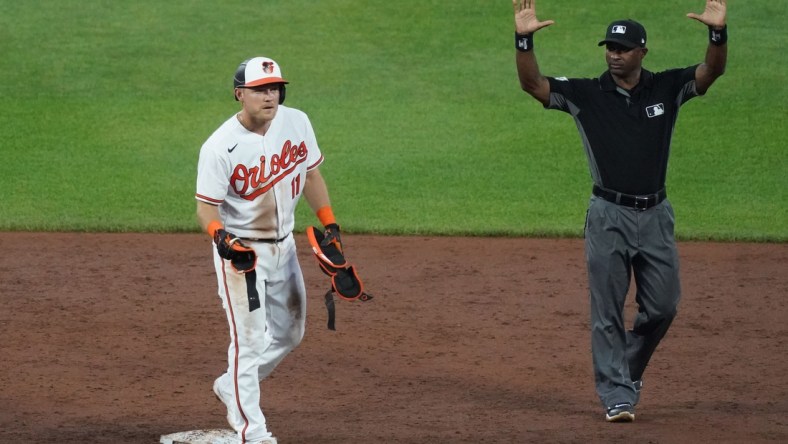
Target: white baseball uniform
[256, 181]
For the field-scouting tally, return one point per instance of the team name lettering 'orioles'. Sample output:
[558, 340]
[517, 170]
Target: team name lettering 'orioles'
[243, 178]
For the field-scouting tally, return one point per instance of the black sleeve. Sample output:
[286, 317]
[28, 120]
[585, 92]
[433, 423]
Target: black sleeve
[568, 95]
[561, 93]
[683, 81]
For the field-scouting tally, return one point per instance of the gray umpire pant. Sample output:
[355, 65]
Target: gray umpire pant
[620, 241]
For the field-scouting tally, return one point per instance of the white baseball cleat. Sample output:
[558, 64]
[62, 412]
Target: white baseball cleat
[232, 418]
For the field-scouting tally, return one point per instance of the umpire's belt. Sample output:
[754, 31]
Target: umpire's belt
[643, 202]
[267, 241]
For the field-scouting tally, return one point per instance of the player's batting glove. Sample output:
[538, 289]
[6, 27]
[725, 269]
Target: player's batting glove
[231, 248]
[332, 237]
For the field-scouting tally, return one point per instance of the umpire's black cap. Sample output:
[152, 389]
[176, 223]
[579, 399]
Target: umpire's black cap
[627, 33]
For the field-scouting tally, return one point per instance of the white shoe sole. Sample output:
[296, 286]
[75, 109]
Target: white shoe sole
[621, 417]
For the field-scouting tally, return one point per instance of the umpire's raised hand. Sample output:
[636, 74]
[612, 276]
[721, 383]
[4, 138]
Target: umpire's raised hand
[713, 15]
[525, 20]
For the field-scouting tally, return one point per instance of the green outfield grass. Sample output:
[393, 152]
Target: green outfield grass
[416, 106]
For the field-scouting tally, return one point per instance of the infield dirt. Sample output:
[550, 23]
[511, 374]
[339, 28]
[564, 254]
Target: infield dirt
[116, 338]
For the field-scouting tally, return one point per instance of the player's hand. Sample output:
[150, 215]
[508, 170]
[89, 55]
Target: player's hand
[713, 15]
[332, 236]
[230, 247]
[525, 21]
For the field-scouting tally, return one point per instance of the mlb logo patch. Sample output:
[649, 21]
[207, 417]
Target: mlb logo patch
[655, 110]
[619, 29]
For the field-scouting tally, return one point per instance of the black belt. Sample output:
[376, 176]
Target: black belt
[267, 241]
[643, 202]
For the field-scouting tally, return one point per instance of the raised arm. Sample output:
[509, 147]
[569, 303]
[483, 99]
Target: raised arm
[526, 24]
[717, 52]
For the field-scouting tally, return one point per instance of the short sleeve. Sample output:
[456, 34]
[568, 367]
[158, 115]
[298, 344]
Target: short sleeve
[314, 155]
[563, 92]
[212, 177]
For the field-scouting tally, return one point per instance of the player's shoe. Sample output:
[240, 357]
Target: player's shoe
[270, 440]
[622, 412]
[232, 418]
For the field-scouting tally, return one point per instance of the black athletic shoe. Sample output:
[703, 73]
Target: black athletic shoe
[622, 412]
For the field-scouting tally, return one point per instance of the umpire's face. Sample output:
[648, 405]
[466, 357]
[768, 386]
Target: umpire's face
[260, 102]
[622, 60]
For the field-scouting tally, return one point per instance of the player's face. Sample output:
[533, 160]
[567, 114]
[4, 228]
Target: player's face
[260, 102]
[622, 60]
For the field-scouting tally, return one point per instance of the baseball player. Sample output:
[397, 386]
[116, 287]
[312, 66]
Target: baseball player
[625, 118]
[251, 173]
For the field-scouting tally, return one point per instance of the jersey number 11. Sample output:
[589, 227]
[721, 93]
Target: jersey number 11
[295, 186]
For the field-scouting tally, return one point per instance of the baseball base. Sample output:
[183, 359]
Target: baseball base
[214, 436]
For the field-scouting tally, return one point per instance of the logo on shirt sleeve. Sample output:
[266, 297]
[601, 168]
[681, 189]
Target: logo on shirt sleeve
[655, 110]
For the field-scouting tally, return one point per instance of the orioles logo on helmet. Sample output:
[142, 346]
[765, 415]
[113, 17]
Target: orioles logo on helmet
[268, 67]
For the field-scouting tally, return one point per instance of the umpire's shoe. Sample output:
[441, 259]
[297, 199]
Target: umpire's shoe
[622, 412]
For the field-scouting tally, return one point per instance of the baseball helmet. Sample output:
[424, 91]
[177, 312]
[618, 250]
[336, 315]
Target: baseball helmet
[259, 71]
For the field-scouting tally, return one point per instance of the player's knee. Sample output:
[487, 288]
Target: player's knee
[293, 336]
[296, 336]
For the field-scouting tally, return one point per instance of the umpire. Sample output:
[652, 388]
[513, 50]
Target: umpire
[625, 118]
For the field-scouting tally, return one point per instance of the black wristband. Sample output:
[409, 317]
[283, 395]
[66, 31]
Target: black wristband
[718, 37]
[523, 42]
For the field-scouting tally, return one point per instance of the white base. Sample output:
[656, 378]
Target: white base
[215, 436]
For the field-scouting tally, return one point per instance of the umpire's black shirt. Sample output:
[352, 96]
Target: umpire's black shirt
[626, 134]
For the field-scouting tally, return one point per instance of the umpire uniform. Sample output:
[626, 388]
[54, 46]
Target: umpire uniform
[629, 223]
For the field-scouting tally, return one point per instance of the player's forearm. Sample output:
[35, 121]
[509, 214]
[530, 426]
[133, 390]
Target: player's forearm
[316, 191]
[206, 214]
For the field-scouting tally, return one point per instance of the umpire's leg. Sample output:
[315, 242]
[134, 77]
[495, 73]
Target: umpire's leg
[609, 235]
[656, 268]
